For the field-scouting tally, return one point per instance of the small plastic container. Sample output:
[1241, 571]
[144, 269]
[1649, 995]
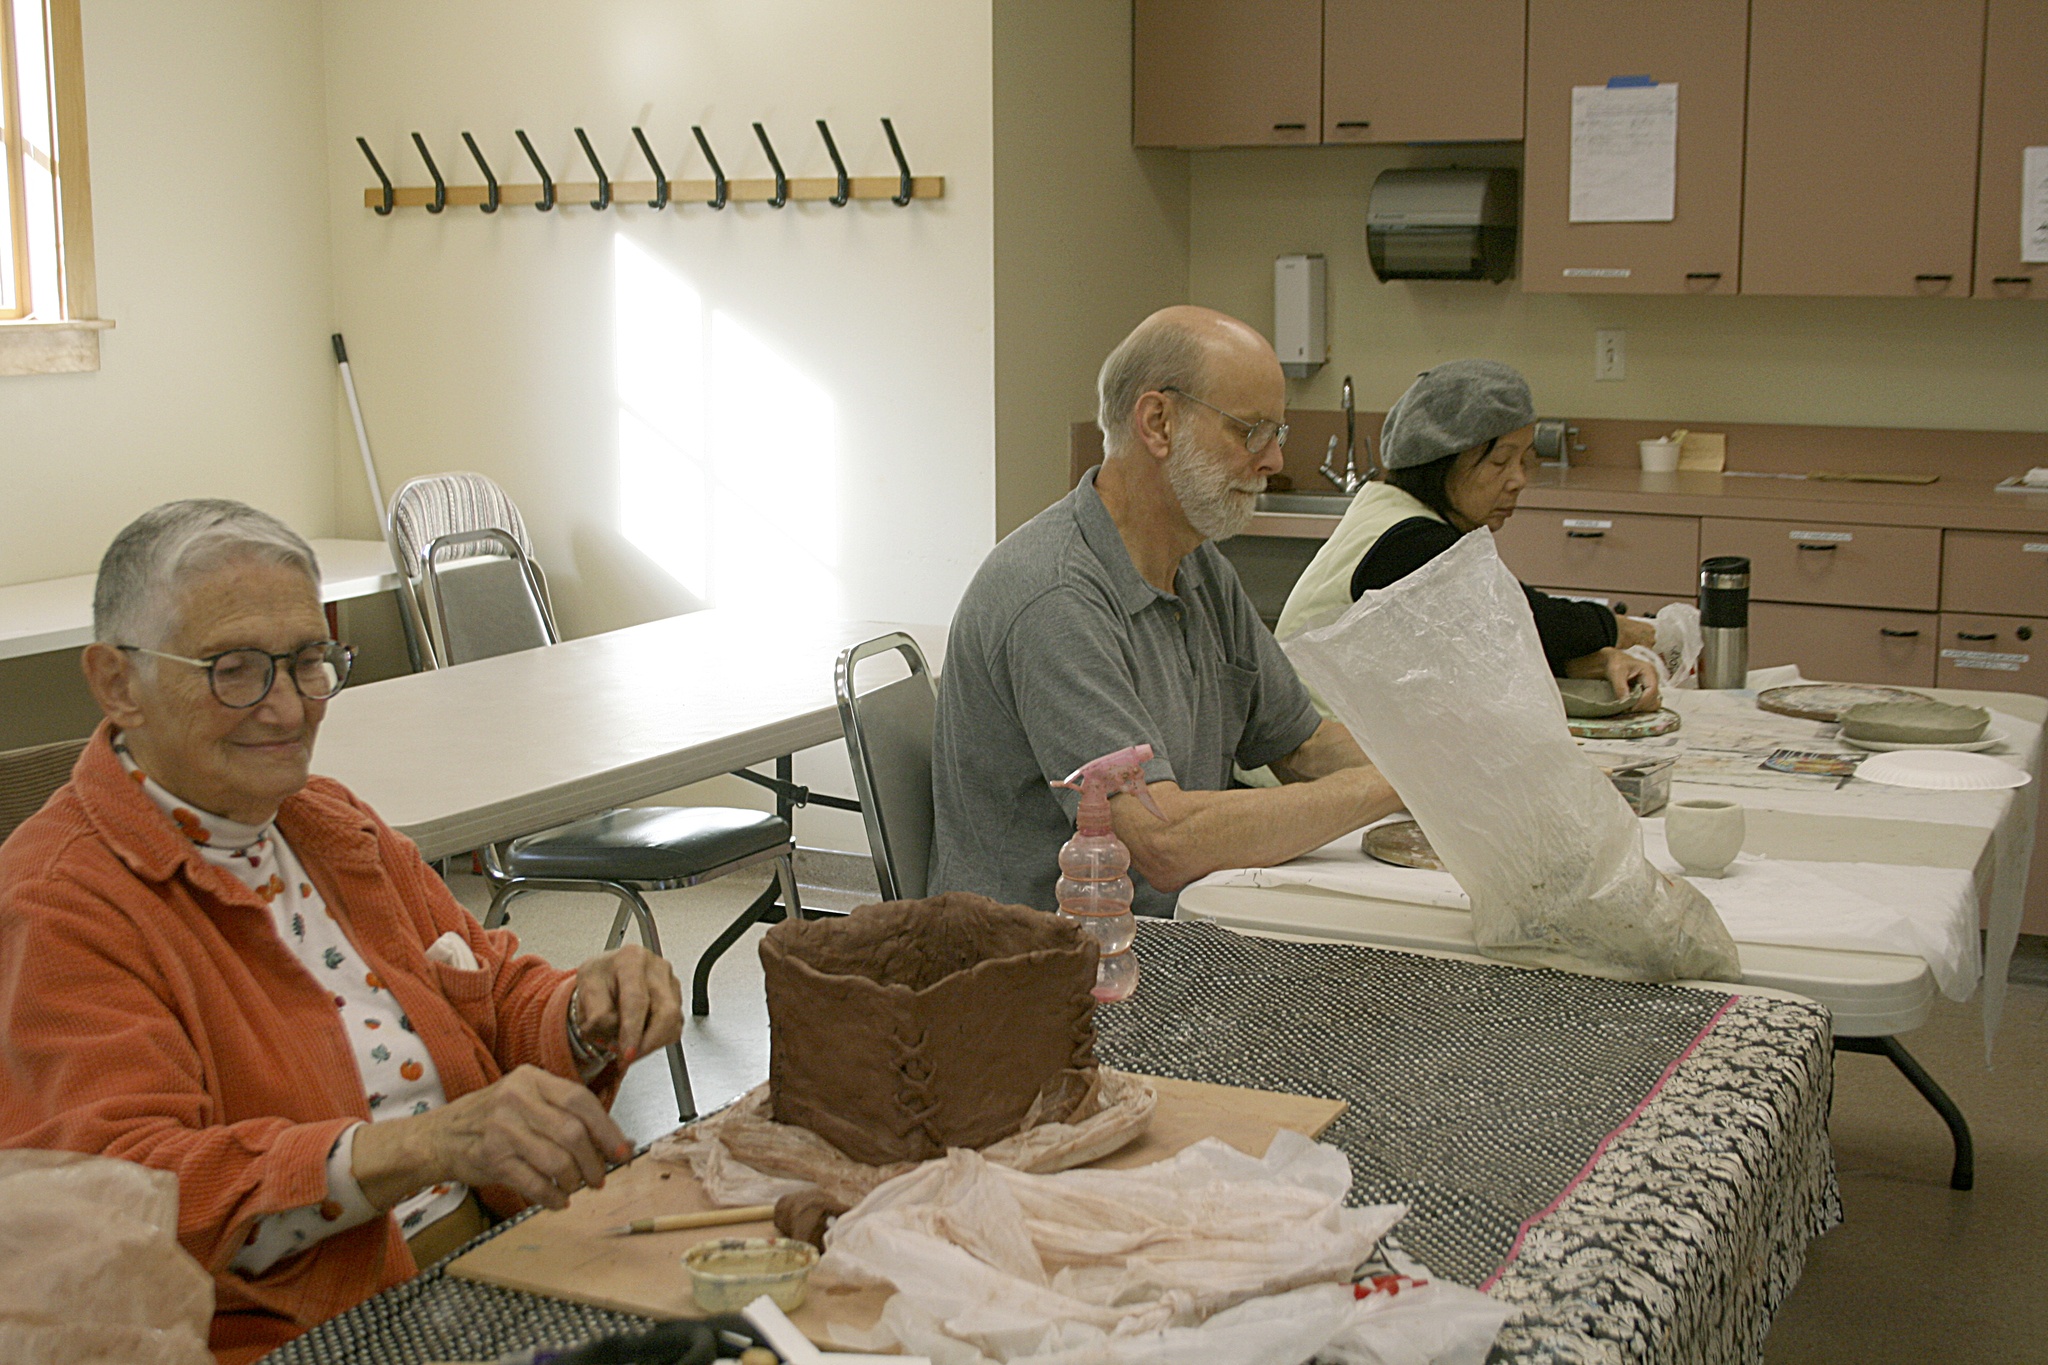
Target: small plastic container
[728, 1273]
[1659, 456]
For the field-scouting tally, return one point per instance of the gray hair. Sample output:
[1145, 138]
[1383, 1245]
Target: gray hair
[1161, 354]
[156, 552]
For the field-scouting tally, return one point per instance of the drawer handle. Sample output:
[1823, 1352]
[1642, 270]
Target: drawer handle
[1292, 128]
[1703, 274]
[1355, 123]
[1809, 545]
[1966, 635]
[1584, 535]
[1932, 279]
[2010, 279]
[1898, 634]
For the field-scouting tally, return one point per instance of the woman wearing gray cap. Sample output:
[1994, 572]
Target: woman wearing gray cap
[1457, 448]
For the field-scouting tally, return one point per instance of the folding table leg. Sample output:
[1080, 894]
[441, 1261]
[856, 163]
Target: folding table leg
[1964, 1174]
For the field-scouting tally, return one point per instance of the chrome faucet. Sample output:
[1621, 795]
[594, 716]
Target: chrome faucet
[1347, 480]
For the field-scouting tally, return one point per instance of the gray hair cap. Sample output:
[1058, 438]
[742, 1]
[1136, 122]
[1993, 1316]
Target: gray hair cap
[1454, 407]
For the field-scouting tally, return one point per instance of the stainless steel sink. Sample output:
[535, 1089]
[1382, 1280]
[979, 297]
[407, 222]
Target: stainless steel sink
[1312, 504]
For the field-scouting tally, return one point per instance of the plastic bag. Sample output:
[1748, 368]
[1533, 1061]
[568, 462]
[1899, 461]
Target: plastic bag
[1442, 681]
[1679, 641]
[1210, 1255]
[91, 1272]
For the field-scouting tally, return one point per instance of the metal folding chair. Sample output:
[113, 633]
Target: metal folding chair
[889, 746]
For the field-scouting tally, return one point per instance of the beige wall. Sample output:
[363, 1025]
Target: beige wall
[1091, 235]
[1867, 362]
[209, 172]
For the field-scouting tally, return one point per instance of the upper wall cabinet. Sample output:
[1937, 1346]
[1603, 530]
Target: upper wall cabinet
[1862, 146]
[1701, 46]
[1226, 73]
[2015, 118]
[1448, 71]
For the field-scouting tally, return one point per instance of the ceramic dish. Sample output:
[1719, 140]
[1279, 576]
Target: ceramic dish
[1915, 722]
[1591, 698]
[1827, 701]
[1629, 725]
[1403, 844]
[728, 1273]
[1991, 740]
[1942, 770]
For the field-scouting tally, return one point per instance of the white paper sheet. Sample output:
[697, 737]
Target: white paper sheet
[1624, 153]
[2034, 206]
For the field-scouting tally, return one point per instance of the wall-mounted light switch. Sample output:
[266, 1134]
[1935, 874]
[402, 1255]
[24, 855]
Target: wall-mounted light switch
[1610, 355]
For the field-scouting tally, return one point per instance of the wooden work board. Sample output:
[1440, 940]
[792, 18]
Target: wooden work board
[564, 1254]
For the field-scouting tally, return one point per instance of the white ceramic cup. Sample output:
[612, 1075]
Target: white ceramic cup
[1704, 834]
[1659, 457]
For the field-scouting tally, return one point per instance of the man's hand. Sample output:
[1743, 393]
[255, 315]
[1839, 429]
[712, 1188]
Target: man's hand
[543, 1136]
[1630, 631]
[1623, 671]
[629, 1003]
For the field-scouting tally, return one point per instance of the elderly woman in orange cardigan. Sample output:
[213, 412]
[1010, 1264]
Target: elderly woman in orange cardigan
[216, 965]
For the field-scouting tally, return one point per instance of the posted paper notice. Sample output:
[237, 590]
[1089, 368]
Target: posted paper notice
[1624, 153]
[2034, 207]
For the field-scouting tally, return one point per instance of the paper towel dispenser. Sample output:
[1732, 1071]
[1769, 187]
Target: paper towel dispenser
[1442, 224]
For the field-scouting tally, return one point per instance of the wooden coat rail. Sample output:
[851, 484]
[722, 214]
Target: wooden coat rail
[660, 192]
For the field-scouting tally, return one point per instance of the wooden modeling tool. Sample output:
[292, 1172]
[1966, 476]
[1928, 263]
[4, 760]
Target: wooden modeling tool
[709, 1218]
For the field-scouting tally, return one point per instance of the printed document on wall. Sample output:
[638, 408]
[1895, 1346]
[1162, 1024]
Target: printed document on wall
[1624, 153]
[2034, 207]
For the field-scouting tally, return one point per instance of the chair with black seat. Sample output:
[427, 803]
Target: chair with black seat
[889, 746]
[468, 563]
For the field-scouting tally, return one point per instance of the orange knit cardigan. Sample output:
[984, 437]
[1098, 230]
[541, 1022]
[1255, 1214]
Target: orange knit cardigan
[149, 1011]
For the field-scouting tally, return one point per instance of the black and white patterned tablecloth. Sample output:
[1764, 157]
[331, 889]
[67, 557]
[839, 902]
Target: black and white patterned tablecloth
[1639, 1168]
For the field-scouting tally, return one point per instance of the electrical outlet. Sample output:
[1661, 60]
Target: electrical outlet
[1610, 355]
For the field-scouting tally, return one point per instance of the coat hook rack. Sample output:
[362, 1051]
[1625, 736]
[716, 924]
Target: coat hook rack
[546, 200]
[384, 200]
[837, 189]
[718, 197]
[490, 204]
[781, 180]
[440, 200]
[845, 184]
[604, 183]
[660, 199]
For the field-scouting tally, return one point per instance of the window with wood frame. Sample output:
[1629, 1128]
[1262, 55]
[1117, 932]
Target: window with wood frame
[48, 304]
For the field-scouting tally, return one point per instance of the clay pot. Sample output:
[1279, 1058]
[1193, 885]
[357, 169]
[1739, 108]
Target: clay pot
[910, 1027]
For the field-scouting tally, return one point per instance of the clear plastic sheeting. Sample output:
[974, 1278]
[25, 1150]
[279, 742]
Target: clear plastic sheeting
[1210, 1255]
[91, 1272]
[1442, 680]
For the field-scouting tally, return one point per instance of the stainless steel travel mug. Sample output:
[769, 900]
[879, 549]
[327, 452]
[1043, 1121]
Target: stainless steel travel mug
[1724, 621]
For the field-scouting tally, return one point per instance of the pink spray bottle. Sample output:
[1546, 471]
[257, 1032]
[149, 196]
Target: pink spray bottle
[1094, 890]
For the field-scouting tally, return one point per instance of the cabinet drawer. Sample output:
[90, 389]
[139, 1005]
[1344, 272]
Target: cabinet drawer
[1621, 603]
[1996, 653]
[1603, 551]
[1826, 562]
[1999, 572]
[1845, 644]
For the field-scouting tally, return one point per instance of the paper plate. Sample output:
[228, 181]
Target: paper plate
[1827, 701]
[1992, 739]
[1941, 770]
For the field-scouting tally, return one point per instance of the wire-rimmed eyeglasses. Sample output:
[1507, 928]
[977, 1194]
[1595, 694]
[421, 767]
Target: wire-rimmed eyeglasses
[241, 678]
[1257, 435]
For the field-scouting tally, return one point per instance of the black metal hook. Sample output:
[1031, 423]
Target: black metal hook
[717, 200]
[845, 185]
[440, 189]
[604, 184]
[901, 198]
[660, 199]
[547, 182]
[781, 180]
[384, 207]
[490, 204]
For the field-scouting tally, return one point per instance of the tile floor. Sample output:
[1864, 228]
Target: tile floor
[1916, 1273]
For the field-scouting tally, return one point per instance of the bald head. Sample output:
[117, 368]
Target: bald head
[1184, 347]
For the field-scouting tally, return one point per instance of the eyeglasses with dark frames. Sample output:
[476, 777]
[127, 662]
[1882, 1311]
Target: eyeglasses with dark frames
[242, 678]
[1257, 435]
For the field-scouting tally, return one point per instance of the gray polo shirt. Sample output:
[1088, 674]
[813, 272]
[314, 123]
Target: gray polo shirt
[1061, 653]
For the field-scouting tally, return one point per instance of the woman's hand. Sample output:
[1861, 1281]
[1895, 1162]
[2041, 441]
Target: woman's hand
[1630, 631]
[1624, 673]
[628, 1003]
[542, 1136]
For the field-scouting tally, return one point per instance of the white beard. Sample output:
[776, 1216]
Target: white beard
[1215, 505]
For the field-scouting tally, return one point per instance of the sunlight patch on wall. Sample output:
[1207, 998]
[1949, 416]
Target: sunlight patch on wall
[728, 453]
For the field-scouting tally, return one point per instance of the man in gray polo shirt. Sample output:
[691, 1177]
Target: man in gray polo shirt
[1109, 619]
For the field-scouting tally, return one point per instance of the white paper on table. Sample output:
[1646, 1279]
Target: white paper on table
[2034, 206]
[1624, 153]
